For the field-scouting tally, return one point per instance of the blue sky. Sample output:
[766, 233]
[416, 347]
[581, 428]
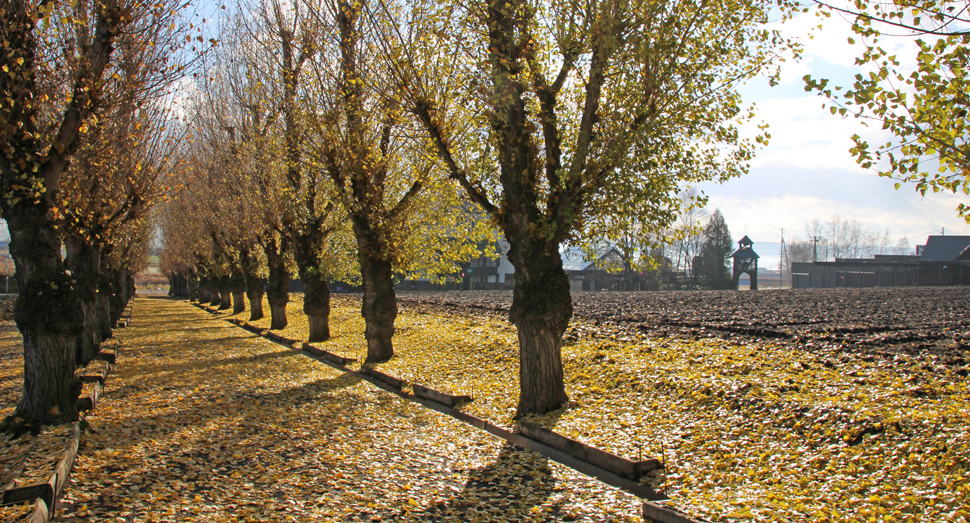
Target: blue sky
[806, 170]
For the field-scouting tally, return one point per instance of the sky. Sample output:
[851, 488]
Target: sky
[807, 172]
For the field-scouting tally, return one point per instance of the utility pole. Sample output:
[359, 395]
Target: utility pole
[814, 249]
[781, 260]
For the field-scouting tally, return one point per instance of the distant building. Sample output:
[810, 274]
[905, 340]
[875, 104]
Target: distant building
[478, 274]
[745, 262]
[603, 271]
[943, 261]
[484, 273]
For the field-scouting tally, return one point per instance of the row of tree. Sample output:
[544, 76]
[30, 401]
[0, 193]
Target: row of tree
[841, 238]
[86, 151]
[558, 121]
[399, 134]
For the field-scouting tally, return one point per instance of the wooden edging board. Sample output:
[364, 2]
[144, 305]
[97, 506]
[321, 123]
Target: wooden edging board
[589, 469]
[66, 464]
[394, 383]
[40, 513]
[632, 470]
[449, 400]
[336, 358]
[44, 495]
[659, 513]
[47, 493]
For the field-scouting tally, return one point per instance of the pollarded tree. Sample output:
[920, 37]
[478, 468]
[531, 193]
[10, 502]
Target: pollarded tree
[405, 215]
[926, 109]
[238, 108]
[551, 113]
[283, 36]
[122, 169]
[711, 264]
[54, 58]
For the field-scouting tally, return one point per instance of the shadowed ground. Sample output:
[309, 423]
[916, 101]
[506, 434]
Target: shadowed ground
[202, 421]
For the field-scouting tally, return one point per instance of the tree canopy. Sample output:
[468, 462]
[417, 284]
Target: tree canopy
[925, 109]
[572, 122]
[711, 264]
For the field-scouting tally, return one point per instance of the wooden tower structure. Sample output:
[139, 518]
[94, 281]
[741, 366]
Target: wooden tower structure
[745, 262]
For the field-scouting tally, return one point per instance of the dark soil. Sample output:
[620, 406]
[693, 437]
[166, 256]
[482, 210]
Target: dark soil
[913, 320]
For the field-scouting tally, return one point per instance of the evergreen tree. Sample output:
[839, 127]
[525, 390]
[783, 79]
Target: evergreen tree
[710, 266]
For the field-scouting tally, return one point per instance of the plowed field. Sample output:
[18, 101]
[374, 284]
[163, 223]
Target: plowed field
[913, 320]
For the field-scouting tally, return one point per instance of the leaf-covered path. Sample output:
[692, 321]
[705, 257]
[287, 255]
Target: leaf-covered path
[203, 421]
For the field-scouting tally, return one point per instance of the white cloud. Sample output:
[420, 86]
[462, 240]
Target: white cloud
[805, 134]
[827, 51]
[806, 171]
[770, 198]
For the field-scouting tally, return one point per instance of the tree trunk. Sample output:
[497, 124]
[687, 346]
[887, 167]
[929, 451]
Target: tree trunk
[316, 291]
[225, 293]
[255, 291]
[203, 289]
[122, 288]
[379, 308]
[84, 260]
[211, 291]
[316, 304]
[183, 286]
[105, 292]
[214, 296]
[192, 287]
[541, 309]
[48, 315]
[249, 264]
[278, 286]
[237, 284]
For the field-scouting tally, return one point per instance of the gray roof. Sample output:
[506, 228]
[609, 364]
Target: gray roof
[745, 252]
[573, 258]
[944, 248]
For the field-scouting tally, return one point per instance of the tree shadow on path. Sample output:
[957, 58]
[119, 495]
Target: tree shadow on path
[511, 488]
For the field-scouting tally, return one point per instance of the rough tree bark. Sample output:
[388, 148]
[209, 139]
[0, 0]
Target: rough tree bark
[225, 293]
[254, 285]
[48, 316]
[316, 291]
[84, 260]
[378, 307]
[122, 287]
[278, 286]
[237, 285]
[541, 309]
[105, 292]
